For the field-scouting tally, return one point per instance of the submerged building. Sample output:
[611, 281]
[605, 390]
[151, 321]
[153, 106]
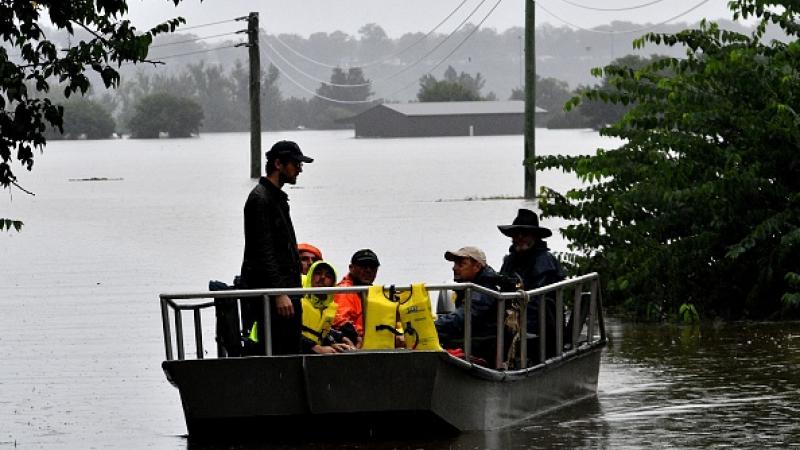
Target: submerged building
[482, 118]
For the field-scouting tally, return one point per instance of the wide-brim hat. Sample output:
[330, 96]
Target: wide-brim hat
[526, 220]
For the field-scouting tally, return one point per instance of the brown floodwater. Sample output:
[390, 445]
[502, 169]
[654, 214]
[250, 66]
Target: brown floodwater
[115, 223]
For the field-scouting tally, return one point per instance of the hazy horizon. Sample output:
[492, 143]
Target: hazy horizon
[398, 17]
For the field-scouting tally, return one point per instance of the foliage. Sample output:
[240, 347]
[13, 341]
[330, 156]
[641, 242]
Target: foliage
[84, 117]
[343, 97]
[163, 112]
[24, 118]
[598, 113]
[701, 204]
[453, 87]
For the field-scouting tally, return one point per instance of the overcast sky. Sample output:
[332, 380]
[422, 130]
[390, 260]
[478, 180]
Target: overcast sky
[397, 17]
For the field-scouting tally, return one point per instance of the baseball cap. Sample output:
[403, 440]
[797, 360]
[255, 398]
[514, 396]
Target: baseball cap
[288, 149]
[466, 252]
[365, 257]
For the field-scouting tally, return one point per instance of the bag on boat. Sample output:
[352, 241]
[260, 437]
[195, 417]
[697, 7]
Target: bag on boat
[381, 319]
[417, 319]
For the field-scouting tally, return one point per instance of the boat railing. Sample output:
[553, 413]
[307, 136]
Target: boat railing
[586, 326]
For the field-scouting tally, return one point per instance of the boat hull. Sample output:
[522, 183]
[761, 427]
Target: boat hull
[371, 392]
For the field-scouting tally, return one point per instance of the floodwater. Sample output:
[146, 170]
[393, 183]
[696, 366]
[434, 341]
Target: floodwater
[114, 223]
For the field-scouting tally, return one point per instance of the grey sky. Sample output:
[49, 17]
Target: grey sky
[400, 16]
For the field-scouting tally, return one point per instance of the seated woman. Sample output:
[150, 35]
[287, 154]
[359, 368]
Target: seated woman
[319, 312]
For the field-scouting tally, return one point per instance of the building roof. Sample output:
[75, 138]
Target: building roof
[460, 108]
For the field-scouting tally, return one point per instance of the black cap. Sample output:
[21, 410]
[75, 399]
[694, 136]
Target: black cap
[365, 257]
[288, 149]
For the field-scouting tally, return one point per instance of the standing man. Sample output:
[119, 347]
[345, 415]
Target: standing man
[271, 259]
[362, 272]
[530, 260]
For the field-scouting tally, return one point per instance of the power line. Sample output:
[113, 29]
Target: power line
[308, 75]
[627, 8]
[392, 55]
[638, 30]
[209, 24]
[158, 58]
[198, 39]
[309, 91]
[436, 47]
[463, 41]
[380, 60]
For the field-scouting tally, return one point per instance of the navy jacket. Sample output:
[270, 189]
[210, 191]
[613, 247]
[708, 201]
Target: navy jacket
[484, 311]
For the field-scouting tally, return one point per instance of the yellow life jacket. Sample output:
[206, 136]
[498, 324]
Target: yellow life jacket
[416, 316]
[318, 310]
[317, 322]
[381, 320]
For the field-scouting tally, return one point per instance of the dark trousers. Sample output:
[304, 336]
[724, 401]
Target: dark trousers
[285, 332]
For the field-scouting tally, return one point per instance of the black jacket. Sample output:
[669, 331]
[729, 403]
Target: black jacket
[536, 267]
[484, 311]
[270, 258]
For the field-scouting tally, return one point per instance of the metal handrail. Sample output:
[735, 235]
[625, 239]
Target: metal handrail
[168, 301]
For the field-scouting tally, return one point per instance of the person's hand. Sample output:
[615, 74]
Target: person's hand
[323, 349]
[359, 342]
[284, 306]
[347, 341]
[342, 347]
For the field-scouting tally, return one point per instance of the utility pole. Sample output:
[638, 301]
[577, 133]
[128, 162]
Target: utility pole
[255, 95]
[530, 98]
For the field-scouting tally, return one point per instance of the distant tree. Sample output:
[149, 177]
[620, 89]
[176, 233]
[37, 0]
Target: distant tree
[163, 112]
[698, 209]
[453, 87]
[343, 97]
[84, 118]
[24, 114]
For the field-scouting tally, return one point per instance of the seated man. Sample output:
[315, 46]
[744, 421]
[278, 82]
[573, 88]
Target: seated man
[530, 261]
[469, 265]
[318, 314]
[363, 270]
[308, 256]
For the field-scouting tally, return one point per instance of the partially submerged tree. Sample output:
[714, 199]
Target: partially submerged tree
[453, 87]
[701, 204]
[162, 112]
[84, 118]
[25, 116]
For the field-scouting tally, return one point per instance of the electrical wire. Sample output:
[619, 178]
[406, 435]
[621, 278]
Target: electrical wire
[197, 39]
[436, 47]
[637, 30]
[308, 75]
[380, 60]
[206, 24]
[463, 41]
[309, 91]
[626, 8]
[159, 58]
